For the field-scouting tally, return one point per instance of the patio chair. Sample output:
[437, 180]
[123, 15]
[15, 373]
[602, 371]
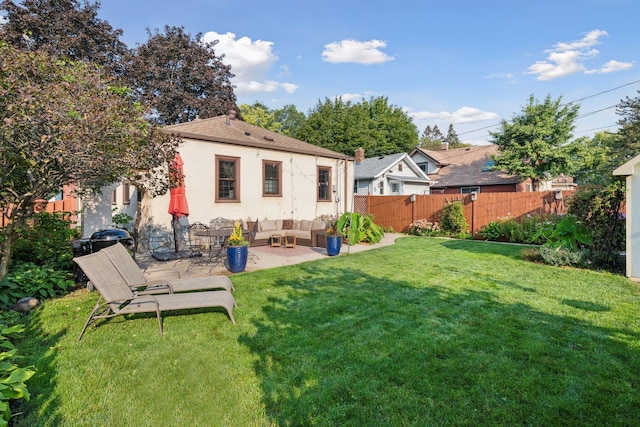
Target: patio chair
[136, 280]
[116, 298]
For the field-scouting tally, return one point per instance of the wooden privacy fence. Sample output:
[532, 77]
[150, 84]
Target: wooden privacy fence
[68, 204]
[398, 212]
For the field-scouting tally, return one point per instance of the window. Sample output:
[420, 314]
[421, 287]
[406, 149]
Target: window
[126, 195]
[324, 184]
[114, 197]
[381, 187]
[227, 179]
[424, 167]
[488, 166]
[469, 190]
[395, 187]
[271, 178]
[399, 167]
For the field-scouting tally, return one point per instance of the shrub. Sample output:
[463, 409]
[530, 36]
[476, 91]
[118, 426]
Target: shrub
[12, 377]
[560, 256]
[598, 209]
[359, 228]
[47, 241]
[453, 222]
[513, 230]
[422, 227]
[568, 233]
[27, 279]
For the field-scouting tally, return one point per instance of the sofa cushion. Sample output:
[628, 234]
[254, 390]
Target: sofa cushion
[305, 225]
[267, 225]
[318, 225]
[296, 224]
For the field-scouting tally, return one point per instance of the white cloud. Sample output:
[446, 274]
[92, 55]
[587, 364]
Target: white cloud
[568, 58]
[269, 86]
[356, 51]
[461, 115]
[611, 67]
[346, 97]
[250, 62]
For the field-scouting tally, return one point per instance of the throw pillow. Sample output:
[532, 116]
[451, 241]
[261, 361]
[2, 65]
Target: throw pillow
[287, 224]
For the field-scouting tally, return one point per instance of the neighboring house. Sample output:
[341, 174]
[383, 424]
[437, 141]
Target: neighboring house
[468, 170]
[395, 174]
[240, 171]
[631, 170]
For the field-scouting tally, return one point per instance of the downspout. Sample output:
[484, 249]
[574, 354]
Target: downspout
[346, 186]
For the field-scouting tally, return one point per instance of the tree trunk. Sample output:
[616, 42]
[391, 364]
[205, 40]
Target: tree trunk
[10, 236]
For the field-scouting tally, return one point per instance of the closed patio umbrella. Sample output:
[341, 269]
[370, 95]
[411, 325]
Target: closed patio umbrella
[178, 205]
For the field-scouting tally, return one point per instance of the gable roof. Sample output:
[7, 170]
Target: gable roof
[373, 167]
[462, 167]
[236, 132]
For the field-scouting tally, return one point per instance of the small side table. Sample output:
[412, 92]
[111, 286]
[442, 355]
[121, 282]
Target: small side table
[290, 241]
[276, 240]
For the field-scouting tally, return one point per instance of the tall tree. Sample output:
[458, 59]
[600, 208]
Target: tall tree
[63, 28]
[537, 142]
[65, 122]
[291, 120]
[431, 138]
[628, 143]
[260, 115]
[374, 125]
[181, 77]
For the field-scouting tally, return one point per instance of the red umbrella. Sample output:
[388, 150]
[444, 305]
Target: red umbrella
[178, 205]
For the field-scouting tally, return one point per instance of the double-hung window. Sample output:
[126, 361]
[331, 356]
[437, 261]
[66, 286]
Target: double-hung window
[271, 178]
[227, 179]
[324, 184]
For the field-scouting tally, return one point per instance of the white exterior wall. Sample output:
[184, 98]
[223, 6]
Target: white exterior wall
[418, 158]
[633, 225]
[299, 186]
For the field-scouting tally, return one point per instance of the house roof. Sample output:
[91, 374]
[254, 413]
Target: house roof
[461, 167]
[236, 132]
[373, 167]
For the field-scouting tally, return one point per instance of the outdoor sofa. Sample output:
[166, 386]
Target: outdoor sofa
[306, 231]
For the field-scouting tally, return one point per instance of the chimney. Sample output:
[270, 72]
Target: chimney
[359, 155]
[445, 145]
[231, 116]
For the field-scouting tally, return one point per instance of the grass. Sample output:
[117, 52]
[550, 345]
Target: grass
[427, 332]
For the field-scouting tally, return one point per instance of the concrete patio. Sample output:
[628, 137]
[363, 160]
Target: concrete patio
[260, 257]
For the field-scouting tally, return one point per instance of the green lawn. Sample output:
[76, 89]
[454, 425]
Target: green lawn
[425, 332]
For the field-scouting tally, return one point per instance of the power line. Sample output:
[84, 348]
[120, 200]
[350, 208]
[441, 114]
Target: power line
[568, 103]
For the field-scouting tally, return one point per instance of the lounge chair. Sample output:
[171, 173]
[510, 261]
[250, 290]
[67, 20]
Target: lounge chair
[117, 298]
[132, 274]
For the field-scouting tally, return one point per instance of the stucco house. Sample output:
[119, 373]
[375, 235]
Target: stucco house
[394, 174]
[238, 171]
[469, 170]
[631, 170]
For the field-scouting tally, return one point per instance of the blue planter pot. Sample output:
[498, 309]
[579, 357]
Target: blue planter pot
[237, 258]
[333, 245]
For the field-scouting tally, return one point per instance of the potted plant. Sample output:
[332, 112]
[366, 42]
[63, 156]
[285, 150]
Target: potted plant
[333, 236]
[237, 250]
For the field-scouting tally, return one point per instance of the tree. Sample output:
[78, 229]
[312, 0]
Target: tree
[374, 125]
[627, 145]
[431, 138]
[181, 77]
[291, 119]
[65, 29]
[536, 143]
[259, 114]
[66, 122]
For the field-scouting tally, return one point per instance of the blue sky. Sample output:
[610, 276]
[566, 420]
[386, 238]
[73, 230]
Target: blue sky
[470, 63]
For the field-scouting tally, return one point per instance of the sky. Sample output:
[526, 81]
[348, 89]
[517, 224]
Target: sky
[469, 63]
